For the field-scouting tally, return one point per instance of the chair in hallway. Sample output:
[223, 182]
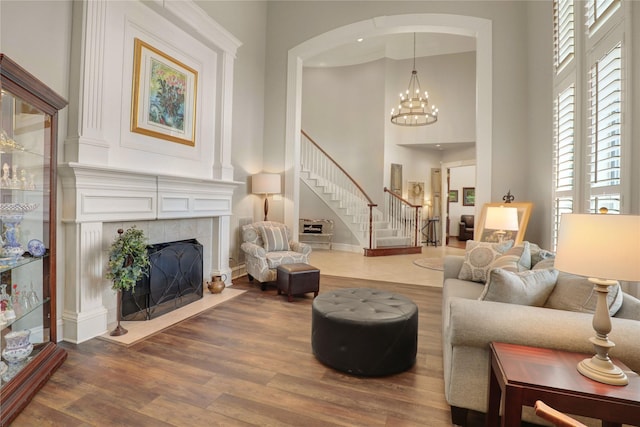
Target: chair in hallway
[466, 228]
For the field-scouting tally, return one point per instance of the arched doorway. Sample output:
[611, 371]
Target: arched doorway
[437, 23]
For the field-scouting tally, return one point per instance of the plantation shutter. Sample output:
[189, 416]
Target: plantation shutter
[597, 11]
[564, 148]
[563, 32]
[605, 131]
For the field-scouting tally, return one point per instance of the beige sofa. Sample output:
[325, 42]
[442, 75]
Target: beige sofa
[469, 325]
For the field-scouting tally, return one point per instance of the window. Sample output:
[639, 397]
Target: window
[563, 37]
[598, 11]
[605, 131]
[564, 153]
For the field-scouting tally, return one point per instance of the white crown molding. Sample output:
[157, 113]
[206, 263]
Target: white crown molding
[198, 23]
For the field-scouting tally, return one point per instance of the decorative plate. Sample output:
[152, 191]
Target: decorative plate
[17, 208]
[36, 247]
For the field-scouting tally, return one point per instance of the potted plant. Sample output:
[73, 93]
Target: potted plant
[128, 262]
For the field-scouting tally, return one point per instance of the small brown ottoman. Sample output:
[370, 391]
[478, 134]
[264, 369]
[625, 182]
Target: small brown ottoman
[296, 279]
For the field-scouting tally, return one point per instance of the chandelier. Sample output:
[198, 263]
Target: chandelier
[413, 109]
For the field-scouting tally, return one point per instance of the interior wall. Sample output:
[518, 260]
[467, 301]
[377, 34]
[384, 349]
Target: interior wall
[339, 110]
[540, 125]
[247, 21]
[459, 178]
[450, 81]
[306, 20]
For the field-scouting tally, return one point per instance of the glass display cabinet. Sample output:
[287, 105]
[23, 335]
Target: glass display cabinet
[28, 132]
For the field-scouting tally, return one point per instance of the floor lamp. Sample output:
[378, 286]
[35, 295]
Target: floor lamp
[501, 218]
[266, 183]
[601, 247]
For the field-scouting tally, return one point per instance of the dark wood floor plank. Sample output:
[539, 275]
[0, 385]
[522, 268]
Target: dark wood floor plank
[245, 362]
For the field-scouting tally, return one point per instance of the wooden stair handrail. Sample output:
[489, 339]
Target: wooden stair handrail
[371, 204]
[400, 198]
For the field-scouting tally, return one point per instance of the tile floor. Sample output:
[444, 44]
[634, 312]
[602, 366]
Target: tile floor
[393, 268]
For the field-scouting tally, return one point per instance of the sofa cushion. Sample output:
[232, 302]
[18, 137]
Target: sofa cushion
[274, 238]
[478, 258]
[518, 258]
[275, 259]
[576, 293]
[538, 254]
[529, 287]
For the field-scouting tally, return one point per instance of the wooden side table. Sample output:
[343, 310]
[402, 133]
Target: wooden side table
[521, 375]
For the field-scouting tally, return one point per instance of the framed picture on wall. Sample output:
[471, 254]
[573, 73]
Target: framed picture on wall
[468, 196]
[164, 96]
[489, 235]
[416, 193]
[453, 196]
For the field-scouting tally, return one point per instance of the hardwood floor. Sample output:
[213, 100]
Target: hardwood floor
[245, 362]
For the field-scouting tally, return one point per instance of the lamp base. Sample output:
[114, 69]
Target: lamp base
[603, 371]
[600, 367]
[266, 206]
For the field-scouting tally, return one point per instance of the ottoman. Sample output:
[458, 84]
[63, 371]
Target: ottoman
[365, 331]
[296, 279]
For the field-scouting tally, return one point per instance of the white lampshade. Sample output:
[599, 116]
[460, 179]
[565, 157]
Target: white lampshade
[599, 246]
[501, 218]
[265, 183]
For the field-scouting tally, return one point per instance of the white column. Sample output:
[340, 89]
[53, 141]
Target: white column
[86, 141]
[84, 316]
[222, 168]
[220, 247]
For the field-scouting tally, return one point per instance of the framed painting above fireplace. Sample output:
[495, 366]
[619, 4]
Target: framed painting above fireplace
[164, 96]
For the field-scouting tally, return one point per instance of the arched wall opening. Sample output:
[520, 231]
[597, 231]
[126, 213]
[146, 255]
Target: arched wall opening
[478, 28]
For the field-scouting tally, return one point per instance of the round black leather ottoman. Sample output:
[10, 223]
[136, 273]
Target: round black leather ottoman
[365, 331]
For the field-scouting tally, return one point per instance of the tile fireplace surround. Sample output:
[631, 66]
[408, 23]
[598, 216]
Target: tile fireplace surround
[98, 201]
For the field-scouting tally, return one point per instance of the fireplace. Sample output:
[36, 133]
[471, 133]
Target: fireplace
[174, 280]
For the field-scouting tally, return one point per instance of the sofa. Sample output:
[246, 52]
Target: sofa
[471, 320]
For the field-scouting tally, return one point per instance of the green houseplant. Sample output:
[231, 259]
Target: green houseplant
[128, 262]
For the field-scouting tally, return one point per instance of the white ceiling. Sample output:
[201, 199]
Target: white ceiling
[393, 46]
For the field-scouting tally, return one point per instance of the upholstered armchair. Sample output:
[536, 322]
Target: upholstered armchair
[267, 245]
[466, 227]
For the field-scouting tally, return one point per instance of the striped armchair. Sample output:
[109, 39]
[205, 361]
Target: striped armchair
[268, 244]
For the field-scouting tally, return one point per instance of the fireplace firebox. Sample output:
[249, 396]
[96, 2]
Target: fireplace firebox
[174, 280]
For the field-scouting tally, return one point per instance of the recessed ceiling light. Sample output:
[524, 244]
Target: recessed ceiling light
[359, 40]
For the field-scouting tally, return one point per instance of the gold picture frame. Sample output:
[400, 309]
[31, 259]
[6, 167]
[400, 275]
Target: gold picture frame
[488, 235]
[164, 96]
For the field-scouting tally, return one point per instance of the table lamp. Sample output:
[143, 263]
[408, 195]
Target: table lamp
[265, 183]
[601, 247]
[502, 219]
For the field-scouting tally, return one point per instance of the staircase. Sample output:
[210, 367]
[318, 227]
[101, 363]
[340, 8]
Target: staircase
[393, 230]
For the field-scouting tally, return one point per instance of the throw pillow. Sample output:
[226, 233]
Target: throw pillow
[538, 254]
[530, 287]
[274, 238]
[545, 263]
[478, 258]
[518, 258]
[576, 293]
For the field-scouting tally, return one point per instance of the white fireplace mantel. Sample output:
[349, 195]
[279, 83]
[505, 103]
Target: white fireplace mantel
[93, 196]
